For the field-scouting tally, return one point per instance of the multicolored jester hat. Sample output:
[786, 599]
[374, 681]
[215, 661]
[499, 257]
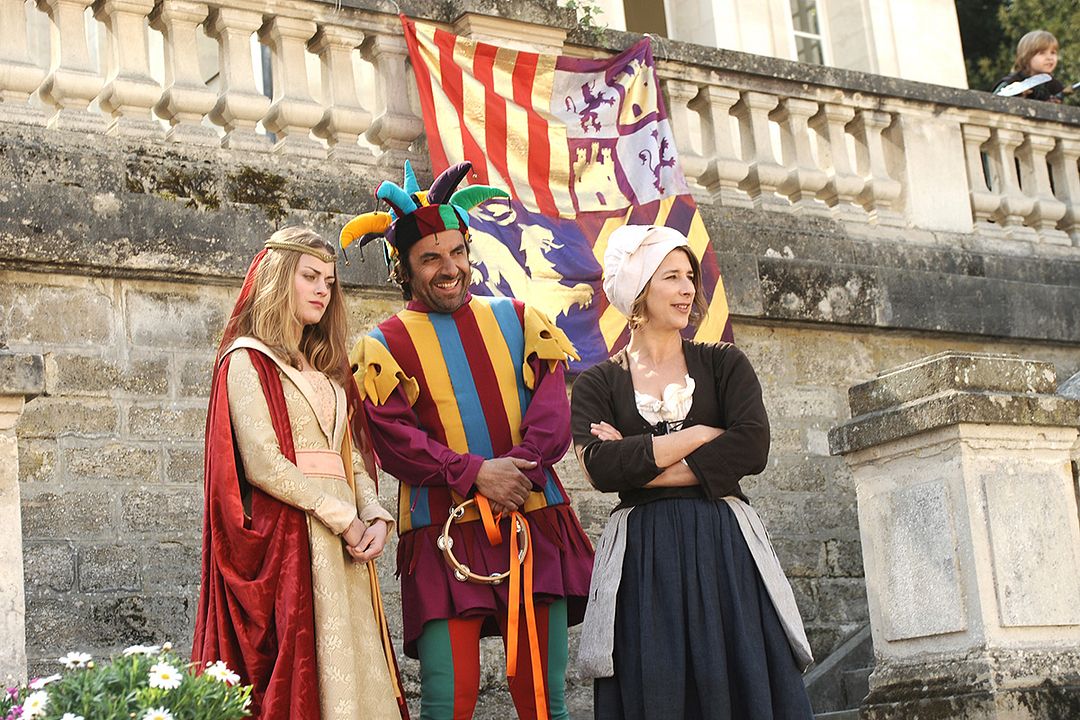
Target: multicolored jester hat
[416, 213]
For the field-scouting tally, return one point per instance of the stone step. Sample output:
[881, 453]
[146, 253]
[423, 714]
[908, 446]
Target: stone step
[856, 685]
[838, 715]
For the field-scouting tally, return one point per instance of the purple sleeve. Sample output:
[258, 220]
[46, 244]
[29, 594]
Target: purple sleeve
[545, 428]
[408, 453]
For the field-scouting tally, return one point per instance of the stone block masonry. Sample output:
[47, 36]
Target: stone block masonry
[122, 285]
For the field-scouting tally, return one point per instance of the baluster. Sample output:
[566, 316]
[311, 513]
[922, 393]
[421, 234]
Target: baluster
[344, 118]
[19, 75]
[130, 92]
[680, 94]
[764, 175]
[880, 192]
[1035, 181]
[294, 111]
[1015, 205]
[804, 178]
[395, 129]
[1064, 159]
[239, 105]
[186, 99]
[984, 201]
[73, 80]
[841, 191]
[725, 170]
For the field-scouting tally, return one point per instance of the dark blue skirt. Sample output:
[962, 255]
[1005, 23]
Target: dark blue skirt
[696, 635]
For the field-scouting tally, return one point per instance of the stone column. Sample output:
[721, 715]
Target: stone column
[240, 105]
[725, 169]
[881, 192]
[804, 179]
[397, 126]
[19, 75]
[186, 99]
[22, 377]
[73, 81]
[130, 92]
[764, 175]
[345, 118]
[293, 112]
[842, 190]
[970, 538]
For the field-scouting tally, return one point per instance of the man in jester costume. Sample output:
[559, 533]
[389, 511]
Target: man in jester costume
[466, 405]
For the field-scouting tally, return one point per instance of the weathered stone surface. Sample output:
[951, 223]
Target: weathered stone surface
[843, 558]
[951, 409]
[951, 371]
[92, 375]
[167, 422]
[195, 373]
[1033, 684]
[56, 417]
[165, 512]
[172, 320]
[113, 461]
[184, 465]
[800, 557]
[109, 568]
[37, 460]
[170, 567]
[48, 567]
[1027, 552]
[68, 513]
[21, 374]
[30, 314]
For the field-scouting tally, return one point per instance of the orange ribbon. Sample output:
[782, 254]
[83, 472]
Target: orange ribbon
[521, 573]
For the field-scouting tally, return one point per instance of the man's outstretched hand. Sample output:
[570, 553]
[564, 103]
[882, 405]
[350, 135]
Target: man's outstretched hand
[501, 481]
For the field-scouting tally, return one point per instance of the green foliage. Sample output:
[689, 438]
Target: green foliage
[143, 683]
[990, 30]
[588, 13]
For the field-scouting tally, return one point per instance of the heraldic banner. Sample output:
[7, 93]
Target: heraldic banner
[583, 146]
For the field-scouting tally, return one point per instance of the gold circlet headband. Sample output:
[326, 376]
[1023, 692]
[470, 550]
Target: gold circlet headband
[300, 247]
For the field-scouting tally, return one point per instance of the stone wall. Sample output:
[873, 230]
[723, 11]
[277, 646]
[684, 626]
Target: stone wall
[111, 467]
[119, 259]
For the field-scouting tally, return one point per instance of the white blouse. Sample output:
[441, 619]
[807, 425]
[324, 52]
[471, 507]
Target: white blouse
[673, 407]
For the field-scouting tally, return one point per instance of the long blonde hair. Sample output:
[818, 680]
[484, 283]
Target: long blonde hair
[271, 314]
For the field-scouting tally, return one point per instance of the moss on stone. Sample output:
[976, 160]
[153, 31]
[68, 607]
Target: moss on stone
[253, 186]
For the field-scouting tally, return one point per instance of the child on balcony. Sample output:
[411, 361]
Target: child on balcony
[1036, 53]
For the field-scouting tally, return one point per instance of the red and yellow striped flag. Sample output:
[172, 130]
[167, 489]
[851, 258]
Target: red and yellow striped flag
[583, 146]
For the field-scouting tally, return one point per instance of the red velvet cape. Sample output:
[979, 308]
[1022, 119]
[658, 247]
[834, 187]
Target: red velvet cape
[255, 607]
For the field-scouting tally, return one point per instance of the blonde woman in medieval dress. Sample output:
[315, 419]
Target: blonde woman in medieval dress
[289, 595]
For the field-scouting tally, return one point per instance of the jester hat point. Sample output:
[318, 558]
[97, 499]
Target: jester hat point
[415, 213]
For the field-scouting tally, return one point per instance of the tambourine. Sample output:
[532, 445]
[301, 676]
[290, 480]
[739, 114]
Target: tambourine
[462, 573]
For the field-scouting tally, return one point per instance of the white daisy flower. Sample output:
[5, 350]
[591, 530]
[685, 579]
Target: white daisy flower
[75, 660]
[34, 704]
[38, 683]
[157, 714]
[164, 676]
[142, 650]
[71, 716]
[221, 672]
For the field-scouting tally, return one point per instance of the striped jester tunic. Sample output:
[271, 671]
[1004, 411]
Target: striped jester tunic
[470, 378]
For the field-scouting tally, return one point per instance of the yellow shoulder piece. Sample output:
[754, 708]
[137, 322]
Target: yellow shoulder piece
[546, 341]
[377, 373]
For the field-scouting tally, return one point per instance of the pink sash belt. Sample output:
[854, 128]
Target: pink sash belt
[320, 462]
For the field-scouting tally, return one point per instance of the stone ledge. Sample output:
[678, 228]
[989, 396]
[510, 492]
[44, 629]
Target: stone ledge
[969, 372]
[952, 408]
[22, 374]
[144, 210]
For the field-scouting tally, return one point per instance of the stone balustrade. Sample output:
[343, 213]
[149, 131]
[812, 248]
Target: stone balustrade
[751, 131]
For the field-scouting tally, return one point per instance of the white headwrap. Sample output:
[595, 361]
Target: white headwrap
[632, 256]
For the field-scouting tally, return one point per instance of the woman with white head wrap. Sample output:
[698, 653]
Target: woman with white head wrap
[690, 615]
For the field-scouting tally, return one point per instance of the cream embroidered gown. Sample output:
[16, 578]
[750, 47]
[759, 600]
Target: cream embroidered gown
[354, 680]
